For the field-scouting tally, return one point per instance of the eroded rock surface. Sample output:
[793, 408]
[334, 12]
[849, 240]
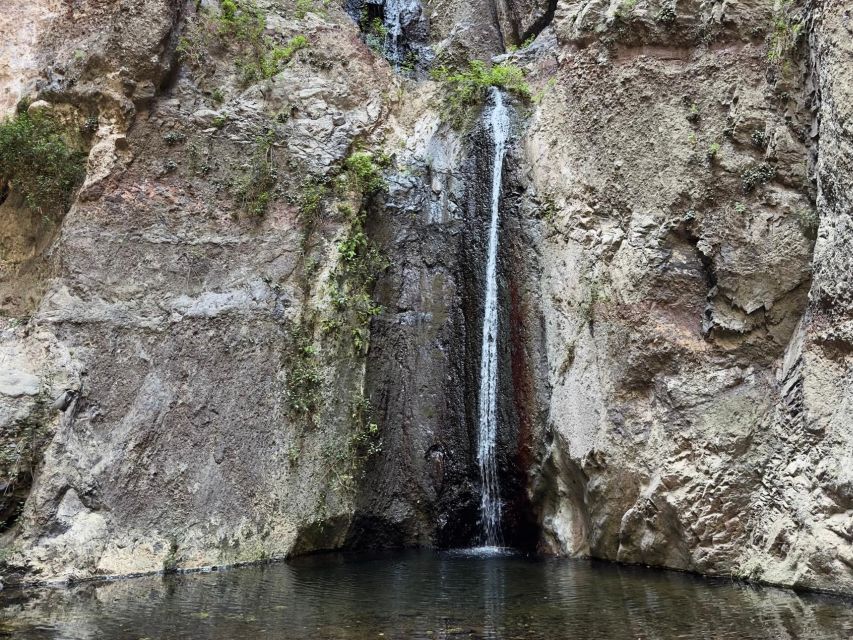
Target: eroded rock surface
[695, 425]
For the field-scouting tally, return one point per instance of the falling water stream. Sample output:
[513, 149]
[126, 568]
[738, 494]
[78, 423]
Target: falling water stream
[490, 503]
[397, 14]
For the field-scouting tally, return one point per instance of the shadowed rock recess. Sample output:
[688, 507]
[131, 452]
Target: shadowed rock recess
[256, 331]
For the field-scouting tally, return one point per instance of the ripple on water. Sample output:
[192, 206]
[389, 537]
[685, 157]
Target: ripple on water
[424, 595]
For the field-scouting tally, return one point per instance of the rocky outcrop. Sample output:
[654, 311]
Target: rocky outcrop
[174, 310]
[678, 165]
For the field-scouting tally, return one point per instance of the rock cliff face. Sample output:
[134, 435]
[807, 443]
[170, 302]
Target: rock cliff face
[697, 408]
[241, 343]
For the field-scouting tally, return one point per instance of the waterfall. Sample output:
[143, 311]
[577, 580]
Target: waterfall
[490, 503]
[398, 13]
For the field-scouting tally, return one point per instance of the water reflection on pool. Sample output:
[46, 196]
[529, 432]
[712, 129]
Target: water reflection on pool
[423, 595]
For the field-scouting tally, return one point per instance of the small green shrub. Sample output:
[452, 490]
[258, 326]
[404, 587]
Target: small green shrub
[365, 440]
[39, 160]
[347, 460]
[375, 34]
[713, 151]
[174, 137]
[365, 172]
[468, 88]
[756, 175]
[410, 62]
[470, 85]
[666, 15]
[351, 285]
[759, 139]
[693, 115]
[170, 562]
[276, 57]
[626, 8]
[293, 455]
[313, 193]
[303, 7]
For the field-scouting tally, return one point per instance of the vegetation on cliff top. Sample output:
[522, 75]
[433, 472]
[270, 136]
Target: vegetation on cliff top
[39, 160]
[240, 25]
[469, 87]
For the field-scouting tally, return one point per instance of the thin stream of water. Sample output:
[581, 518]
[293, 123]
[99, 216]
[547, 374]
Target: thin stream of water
[490, 502]
[396, 14]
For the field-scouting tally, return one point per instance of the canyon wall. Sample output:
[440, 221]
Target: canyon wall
[237, 345]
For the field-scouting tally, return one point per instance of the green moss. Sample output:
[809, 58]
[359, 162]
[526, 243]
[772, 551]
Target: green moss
[39, 161]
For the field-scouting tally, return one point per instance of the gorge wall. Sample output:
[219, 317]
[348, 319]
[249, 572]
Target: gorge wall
[242, 343]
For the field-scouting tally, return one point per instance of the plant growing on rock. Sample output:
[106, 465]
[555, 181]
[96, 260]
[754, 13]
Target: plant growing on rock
[304, 379]
[469, 87]
[174, 137]
[303, 8]
[713, 151]
[788, 28]
[375, 33]
[272, 61]
[310, 204]
[625, 9]
[347, 461]
[693, 115]
[255, 188]
[758, 139]
[756, 175]
[365, 171]
[39, 160]
[666, 15]
[239, 25]
[351, 284]
[809, 221]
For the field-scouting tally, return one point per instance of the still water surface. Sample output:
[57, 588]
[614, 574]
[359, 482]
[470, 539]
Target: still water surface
[423, 595]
